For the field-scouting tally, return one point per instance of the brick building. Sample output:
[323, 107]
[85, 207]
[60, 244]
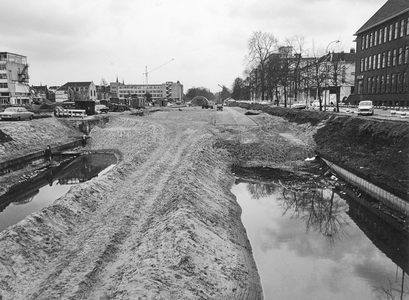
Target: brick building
[382, 57]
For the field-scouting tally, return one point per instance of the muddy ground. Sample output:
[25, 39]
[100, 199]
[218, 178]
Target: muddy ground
[163, 223]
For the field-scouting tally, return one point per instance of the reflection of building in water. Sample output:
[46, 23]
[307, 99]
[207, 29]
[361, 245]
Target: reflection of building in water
[385, 232]
[67, 172]
[86, 167]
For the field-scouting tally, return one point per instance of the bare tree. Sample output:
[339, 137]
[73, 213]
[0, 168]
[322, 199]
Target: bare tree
[260, 46]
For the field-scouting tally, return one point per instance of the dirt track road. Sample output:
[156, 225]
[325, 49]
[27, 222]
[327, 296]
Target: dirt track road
[233, 116]
[162, 224]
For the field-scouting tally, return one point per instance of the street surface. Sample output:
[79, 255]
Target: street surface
[233, 116]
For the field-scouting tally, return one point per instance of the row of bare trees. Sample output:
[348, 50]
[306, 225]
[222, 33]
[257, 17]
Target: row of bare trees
[284, 72]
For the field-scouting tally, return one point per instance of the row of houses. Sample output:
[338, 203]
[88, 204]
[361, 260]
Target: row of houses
[377, 70]
[15, 88]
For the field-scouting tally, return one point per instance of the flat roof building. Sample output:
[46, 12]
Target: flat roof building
[14, 87]
[172, 91]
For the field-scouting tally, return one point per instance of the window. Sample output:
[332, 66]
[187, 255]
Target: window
[375, 39]
[361, 65]
[405, 82]
[407, 26]
[380, 36]
[387, 83]
[3, 76]
[400, 54]
[379, 61]
[373, 85]
[402, 28]
[3, 86]
[399, 82]
[370, 39]
[365, 64]
[390, 32]
[368, 85]
[374, 62]
[360, 86]
[378, 84]
[406, 60]
[385, 34]
[394, 58]
[383, 59]
[369, 63]
[396, 30]
[393, 83]
[382, 84]
[2, 67]
[388, 64]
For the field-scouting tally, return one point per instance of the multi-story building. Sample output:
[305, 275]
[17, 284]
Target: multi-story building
[172, 91]
[14, 87]
[76, 91]
[382, 57]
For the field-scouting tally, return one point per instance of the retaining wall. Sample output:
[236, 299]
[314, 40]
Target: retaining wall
[382, 195]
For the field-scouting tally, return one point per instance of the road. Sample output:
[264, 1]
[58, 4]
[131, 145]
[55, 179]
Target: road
[233, 116]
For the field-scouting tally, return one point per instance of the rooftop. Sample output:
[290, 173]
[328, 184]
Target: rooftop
[389, 10]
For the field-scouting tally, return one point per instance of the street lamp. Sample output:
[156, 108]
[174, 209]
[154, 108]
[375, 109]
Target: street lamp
[221, 89]
[326, 73]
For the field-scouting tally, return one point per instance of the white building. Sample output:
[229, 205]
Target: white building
[76, 91]
[14, 87]
[172, 91]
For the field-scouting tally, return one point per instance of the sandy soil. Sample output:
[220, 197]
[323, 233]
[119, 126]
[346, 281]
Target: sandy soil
[162, 224]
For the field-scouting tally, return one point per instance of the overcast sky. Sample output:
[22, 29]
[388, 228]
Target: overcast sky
[201, 43]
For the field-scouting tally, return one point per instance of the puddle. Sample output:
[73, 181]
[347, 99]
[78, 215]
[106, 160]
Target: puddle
[42, 190]
[314, 240]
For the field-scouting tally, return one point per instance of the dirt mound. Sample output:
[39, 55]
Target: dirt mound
[162, 224]
[377, 150]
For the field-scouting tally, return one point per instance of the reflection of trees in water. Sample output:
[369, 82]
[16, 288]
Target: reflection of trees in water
[260, 190]
[393, 290]
[322, 211]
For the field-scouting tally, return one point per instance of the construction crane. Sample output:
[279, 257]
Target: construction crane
[146, 70]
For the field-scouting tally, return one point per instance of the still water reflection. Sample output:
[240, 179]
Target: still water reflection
[313, 244]
[34, 194]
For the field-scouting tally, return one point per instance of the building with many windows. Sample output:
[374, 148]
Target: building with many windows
[172, 91]
[14, 87]
[382, 57]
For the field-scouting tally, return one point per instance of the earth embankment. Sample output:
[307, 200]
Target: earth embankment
[375, 149]
[162, 224]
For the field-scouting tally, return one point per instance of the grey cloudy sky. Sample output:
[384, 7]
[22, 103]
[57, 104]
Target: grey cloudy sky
[87, 40]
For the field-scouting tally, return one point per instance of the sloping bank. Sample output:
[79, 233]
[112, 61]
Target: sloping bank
[374, 149]
[162, 224]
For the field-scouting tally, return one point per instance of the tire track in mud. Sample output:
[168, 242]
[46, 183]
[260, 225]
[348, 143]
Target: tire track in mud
[155, 175]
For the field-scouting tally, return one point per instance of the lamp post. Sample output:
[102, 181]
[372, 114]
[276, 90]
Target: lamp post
[220, 95]
[326, 73]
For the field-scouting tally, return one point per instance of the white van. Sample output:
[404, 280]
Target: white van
[365, 108]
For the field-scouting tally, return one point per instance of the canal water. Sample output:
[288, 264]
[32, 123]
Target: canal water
[50, 184]
[312, 239]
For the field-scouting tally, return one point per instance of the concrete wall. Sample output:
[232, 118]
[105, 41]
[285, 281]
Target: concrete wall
[382, 195]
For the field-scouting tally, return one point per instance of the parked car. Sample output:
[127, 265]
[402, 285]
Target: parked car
[220, 106]
[16, 113]
[365, 108]
[101, 109]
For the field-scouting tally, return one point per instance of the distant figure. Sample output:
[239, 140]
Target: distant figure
[84, 140]
[48, 153]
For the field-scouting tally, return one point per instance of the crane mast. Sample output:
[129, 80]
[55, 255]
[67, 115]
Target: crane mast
[146, 69]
